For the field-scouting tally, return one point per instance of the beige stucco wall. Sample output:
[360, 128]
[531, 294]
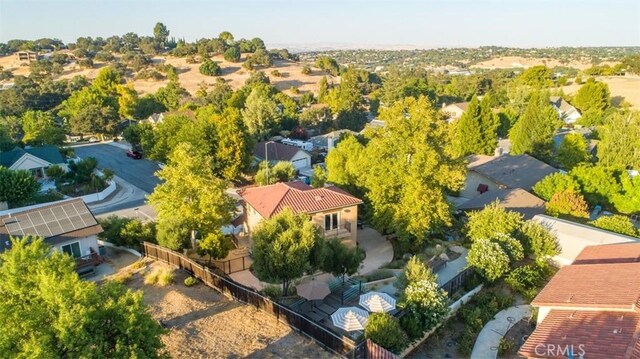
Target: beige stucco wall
[85, 244]
[301, 159]
[472, 182]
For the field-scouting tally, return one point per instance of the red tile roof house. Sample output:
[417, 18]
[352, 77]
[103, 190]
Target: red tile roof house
[332, 209]
[590, 309]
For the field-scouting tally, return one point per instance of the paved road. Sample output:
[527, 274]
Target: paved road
[137, 172]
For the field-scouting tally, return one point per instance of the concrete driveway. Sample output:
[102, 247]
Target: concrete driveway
[139, 173]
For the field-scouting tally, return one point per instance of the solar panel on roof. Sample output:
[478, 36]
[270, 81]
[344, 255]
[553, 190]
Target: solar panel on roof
[51, 221]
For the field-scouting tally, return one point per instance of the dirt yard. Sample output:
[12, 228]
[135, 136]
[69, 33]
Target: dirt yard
[204, 324]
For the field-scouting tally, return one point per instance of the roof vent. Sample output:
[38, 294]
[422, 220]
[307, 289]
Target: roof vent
[617, 331]
[621, 318]
[569, 300]
[318, 198]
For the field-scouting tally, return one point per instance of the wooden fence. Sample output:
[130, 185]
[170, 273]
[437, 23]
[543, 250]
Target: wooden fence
[340, 345]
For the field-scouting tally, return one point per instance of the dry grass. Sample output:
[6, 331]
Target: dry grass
[508, 62]
[160, 276]
[623, 88]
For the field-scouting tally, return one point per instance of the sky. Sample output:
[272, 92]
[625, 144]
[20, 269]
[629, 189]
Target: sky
[347, 23]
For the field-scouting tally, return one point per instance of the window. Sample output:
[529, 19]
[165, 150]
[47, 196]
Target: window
[330, 221]
[72, 249]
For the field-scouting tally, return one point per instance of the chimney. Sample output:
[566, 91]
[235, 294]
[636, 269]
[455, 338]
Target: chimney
[330, 144]
[498, 152]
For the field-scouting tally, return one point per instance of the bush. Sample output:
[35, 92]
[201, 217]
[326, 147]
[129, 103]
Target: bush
[492, 220]
[413, 272]
[567, 203]
[232, 54]
[210, 68]
[427, 305]
[306, 70]
[190, 281]
[379, 274]
[159, 276]
[122, 277]
[555, 183]
[512, 247]
[540, 242]
[294, 90]
[526, 280]
[489, 259]
[273, 291]
[506, 347]
[384, 330]
[276, 73]
[127, 232]
[616, 223]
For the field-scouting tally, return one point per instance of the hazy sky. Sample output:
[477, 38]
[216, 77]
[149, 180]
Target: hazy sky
[427, 23]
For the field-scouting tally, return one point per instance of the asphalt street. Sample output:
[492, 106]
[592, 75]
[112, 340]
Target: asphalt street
[139, 173]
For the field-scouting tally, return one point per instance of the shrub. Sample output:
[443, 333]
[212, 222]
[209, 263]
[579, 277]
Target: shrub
[427, 305]
[540, 242]
[210, 68]
[489, 259]
[526, 280]
[506, 347]
[276, 73]
[232, 54]
[413, 272]
[492, 220]
[384, 330]
[616, 223]
[159, 276]
[294, 90]
[190, 281]
[568, 203]
[511, 246]
[306, 70]
[273, 291]
[127, 232]
[379, 274]
[555, 183]
[122, 277]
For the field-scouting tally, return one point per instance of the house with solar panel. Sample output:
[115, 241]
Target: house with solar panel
[33, 159]
[333, 210]
[67, 226]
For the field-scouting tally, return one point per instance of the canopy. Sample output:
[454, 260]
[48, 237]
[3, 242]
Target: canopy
[350, 318]
[313, 290]
[377, 302]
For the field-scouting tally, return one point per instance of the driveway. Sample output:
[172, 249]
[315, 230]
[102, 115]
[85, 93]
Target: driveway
[139, 173]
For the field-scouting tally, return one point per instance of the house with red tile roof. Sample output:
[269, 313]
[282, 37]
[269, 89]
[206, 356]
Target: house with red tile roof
[332, 209]
[590, 309]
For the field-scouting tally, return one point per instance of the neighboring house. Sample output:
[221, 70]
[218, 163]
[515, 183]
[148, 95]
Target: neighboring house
[34, 159]
[574, 237]
[329, 140]
[67, 226]
[332, 209]
[490, 173]
[454, 111]
[156, 118]
[513, 199]
[276, 152]
[373, 124]
[566, 112]
[590, 309]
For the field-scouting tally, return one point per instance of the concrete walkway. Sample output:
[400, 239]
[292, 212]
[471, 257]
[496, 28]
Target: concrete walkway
[488, 340]
[452, 268]
[125, 194]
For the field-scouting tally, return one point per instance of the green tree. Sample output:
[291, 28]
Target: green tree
[127, 232]
[491, 221]
[384, 330]
[192, 193]
[476, 130]
[328, 64]
[426, 304]
[568, 203]
[592, 99]
[215, 245]
[541, 243]
[41, 129]
[261, 114]
[17, 188]
[628, 199]
[598, 184]
[534, 131]
[489, 259]
[414, 271]
[319, 177]
[234, 151]
[283, 246]
[127, 101]
[572, 151]
[616, 223]
[340, 260]
[323, 89]
[210, 68]
[555, 183]
[620, 140]
[538, 77]
[171, 95]
[89, 111]
[160, 33]
[84, 319]
[232, 54]
[226, 37]
[282, 171]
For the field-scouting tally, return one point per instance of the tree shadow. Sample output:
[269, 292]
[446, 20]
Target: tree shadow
[229, 70]
[292, 345]
[616, 101]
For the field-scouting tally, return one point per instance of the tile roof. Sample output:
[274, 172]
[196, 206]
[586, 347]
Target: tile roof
[56, 222]
[521, 171]
[594, 334]
[610, 253]
[514, 199]
[276, 151]
[300, 197]
[50, 154]
[596, 286]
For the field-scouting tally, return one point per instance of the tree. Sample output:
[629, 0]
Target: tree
[171, 95]
[628, 199]
[340, 260]
[226, 37]
[283, 246]
[17, 188]
[489, 259]
[491, 221]
[592, 99]
[384, 330]
[160, 33]
[620, 140]
[414, 271]
[541, 243]
[568, 203]
[616, 223]
[534, 131]
[598, 184]
[90, 110]
[426, 304]
[192, 193]
[306, 70]
[555, 183]
[328, 64]
[41, 129]
[572, 151]
[282, 171]
[127, 232]
[55, 172]
[210, 68]
[84, 319]
[319, 177]
[232, 54]
[234, 149]
[215, 245]
[476, 130]
[127, 101]
[261, 114]
[538, 77]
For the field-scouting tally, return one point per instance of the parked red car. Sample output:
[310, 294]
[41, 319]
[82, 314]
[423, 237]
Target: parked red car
[134, 154]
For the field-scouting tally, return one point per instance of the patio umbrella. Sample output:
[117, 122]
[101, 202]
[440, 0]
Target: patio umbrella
[377, 302]
[313, 290]
[350, 318]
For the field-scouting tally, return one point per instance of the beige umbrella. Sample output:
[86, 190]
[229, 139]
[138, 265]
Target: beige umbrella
[350, 318]
[313, 290]
[377, 302]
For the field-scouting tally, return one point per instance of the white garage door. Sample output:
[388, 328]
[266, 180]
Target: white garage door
[300, 163]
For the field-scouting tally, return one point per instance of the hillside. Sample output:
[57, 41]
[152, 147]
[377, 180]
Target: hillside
[190, 77]
[508, 62]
